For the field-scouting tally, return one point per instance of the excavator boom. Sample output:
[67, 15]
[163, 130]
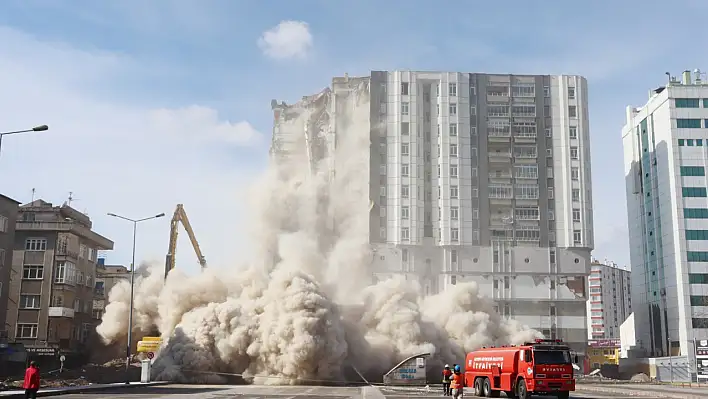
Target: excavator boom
[180, 216]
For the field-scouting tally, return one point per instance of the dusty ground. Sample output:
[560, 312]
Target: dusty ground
[113, 371]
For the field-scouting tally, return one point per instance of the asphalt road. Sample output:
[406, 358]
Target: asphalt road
[259, 392]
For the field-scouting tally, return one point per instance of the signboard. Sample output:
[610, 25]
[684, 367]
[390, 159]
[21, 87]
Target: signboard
[41, 351]
[604, 343]
[409, 372]
[702, 359]
[149, 344]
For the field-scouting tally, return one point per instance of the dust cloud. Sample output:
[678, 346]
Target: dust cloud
[305, 306]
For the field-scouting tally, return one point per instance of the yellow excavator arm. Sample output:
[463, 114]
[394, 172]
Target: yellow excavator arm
[180, 216]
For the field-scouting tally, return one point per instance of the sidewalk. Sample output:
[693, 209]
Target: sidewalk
[656, 391]
[20, 393]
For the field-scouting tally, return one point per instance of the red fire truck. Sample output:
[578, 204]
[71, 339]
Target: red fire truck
[543, 367]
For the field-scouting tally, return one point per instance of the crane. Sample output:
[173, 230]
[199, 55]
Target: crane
[180, 216]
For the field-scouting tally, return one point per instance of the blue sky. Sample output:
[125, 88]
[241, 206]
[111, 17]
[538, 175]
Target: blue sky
[156, 102]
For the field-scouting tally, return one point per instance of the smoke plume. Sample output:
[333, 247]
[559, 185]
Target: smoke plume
[306, 307]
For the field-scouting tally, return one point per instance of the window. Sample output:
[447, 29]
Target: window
[36, 244]
[404, 108]
[33, 272]
[453, 171]
[696, 235]
[693, 171]
[27, 331]
[452, 89]
[382, 232]
[405, 234]
[405, 191]
[454, 213]
[549, 132]
[577, 237]
[473, 172]
[697, 278]
[453, 109]
[453, 192]
[3, 224]
[405, 128]
[382, 191]
[82, 251]
[453, 129]
[527, 213]
[404, 88]
[91, 254]
[404, 170]
[475, 213]
[575, 195]
[573, 152]
[681, 142]
[573, 111]
[382, 170]
[405, 149]
[576, 215]
[65, 273]
[454, 234]
[699, 300]
[574, 173]
[453, 150]
[573, 132]
[546, 91]
[405, 212]
[686, 103]
[688, 123]
[695, 213]
[571, 93]
[694, 192]
[29, 301]
[699, 142]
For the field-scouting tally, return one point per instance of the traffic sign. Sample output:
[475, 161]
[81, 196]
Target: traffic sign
[151, 355]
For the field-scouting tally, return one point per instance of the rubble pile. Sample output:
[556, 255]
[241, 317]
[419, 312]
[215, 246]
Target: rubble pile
[110, 372]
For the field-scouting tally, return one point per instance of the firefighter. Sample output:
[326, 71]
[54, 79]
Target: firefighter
[458, 381]
[446, 376]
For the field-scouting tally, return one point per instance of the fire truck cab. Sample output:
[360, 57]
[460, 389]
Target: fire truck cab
[543, 367]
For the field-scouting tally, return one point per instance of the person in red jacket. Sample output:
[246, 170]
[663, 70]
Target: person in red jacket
[31, 384]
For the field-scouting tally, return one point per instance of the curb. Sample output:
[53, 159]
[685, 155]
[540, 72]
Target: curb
[80, 389]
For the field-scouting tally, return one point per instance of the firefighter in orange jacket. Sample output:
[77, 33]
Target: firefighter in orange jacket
[458, 382]
[446, 377]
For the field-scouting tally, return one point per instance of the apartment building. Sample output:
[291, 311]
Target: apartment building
[473, 177]
[51, 287]
[107, 276]
[8, 215]
[667, 202]
[610, 302]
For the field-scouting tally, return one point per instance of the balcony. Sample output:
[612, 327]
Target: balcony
[75, 228]
[56, 311]
[501, 191]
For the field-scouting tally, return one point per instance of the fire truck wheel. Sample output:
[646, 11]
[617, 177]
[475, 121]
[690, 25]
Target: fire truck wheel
[487, 389]
[478, 387]
[521, 390]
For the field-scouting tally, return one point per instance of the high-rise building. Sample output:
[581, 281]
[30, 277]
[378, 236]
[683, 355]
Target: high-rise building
[51, 288]
[473, 177]
[610, 301]
[665, 159]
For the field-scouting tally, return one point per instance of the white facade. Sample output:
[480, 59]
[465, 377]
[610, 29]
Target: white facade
[486, 178]
[665, 144]
[609, 304]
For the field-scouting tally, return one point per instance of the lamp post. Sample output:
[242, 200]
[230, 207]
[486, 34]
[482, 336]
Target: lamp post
[40, 128]
[132, 288]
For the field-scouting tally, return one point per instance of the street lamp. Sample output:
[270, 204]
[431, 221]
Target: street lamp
[132, 288]
[39, 128]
